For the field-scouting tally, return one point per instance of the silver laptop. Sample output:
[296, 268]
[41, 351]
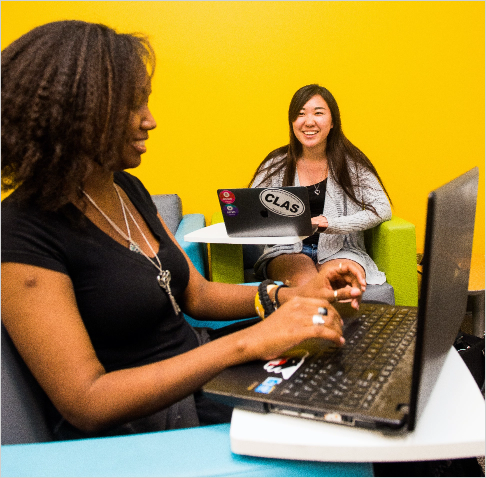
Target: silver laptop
[384, 374]
[257, 212]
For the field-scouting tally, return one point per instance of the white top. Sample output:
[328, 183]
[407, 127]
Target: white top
[452, 426]
[216, 234]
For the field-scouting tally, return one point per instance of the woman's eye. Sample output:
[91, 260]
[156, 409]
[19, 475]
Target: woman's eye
[140, 103]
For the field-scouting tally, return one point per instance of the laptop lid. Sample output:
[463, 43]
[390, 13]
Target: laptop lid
[449, 234]
[257, 212]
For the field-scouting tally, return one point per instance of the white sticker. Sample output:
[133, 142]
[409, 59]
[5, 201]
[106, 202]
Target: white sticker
[286, 366]
[282, 202]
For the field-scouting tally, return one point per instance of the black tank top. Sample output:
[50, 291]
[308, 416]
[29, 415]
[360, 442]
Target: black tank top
[317, 193]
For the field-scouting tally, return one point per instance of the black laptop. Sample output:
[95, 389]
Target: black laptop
[266, 212]
[384, 374]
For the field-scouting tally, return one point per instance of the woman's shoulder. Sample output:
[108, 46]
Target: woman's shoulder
[359, 170]
[276, 156]
[273, 164]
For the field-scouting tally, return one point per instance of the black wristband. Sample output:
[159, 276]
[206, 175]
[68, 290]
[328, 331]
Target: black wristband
[277, 303]
[265, 298]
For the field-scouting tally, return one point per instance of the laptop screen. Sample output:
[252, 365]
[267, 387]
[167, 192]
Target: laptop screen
[447, 256]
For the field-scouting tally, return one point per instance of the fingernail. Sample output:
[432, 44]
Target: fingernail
[342, 340]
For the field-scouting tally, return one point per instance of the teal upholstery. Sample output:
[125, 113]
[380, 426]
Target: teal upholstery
[391, 245]
[169, 206]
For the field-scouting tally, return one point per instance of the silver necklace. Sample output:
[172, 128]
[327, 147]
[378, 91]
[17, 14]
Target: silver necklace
[164, 276]
[317, 186]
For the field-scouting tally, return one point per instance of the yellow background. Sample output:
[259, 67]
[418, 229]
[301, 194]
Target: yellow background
[408, 77]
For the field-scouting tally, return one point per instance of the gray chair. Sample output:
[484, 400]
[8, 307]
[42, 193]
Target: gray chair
[169, 207]
[23, 401]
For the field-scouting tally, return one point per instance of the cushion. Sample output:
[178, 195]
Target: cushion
[169, 207]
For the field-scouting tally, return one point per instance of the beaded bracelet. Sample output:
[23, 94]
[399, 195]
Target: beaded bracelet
[264, 298]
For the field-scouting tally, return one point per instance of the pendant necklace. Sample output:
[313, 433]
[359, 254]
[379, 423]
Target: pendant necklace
[317, 186]
[164, 276]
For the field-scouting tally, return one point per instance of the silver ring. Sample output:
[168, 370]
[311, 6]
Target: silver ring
[335, 294]
[322, 311]
[317, 319]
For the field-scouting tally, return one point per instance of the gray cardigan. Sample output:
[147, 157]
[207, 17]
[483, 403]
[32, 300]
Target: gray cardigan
[344, 237]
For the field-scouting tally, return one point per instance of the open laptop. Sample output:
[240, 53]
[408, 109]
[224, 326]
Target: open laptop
[257, 212]
[384, 374]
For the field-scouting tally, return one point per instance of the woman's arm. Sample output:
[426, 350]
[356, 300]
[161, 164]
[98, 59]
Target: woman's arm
[218, 301]
[40, 313]
[369, 191]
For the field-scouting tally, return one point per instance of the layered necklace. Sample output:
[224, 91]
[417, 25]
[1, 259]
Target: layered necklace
[317, 186]
[164, 277]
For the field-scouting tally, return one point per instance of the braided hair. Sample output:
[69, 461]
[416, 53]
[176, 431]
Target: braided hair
[67, 91]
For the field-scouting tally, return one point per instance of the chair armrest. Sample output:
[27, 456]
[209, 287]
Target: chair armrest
[392, 246]
[196, 251]
[226, 260]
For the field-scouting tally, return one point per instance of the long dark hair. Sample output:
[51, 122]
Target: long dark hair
[67, 91]
[339, 150]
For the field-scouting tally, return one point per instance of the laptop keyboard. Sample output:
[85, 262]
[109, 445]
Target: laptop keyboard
[353, 375]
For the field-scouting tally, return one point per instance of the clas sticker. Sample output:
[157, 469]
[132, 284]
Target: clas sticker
[282, 202]
[268, 385]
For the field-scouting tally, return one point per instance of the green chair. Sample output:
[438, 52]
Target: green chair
[391, 245]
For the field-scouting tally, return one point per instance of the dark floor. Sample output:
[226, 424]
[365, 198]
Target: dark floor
[463, 467]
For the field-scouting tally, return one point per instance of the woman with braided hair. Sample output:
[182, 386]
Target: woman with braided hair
[93, 282]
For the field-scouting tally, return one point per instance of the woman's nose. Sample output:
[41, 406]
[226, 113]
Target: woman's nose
[309, 120]
[148, 121]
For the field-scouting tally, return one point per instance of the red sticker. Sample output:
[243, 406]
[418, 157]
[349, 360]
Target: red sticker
[227, 197]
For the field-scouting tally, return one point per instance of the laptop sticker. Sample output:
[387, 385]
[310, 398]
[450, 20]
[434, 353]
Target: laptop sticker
[282, 202]
[230, 210]
[268, 385]
[287, 366]
[227, 197]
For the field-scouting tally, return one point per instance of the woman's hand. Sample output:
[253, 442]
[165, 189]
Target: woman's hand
[320, 222]
[290, 325]
[337, 280]
[344, 276]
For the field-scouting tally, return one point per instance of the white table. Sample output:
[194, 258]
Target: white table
[451, 426]
[216, 234]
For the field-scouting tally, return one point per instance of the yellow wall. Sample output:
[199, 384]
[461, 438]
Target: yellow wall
[408, 76]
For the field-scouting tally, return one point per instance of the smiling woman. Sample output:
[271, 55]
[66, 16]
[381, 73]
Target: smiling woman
[346, 194]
